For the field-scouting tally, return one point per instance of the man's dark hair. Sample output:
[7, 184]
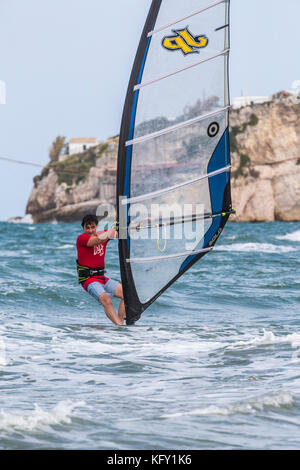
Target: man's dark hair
[89, 219]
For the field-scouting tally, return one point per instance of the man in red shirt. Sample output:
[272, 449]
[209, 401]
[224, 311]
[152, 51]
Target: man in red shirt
[91, 246]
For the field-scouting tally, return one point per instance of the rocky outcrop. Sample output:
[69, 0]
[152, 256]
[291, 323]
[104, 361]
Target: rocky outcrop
[265, 154]
[75, 185]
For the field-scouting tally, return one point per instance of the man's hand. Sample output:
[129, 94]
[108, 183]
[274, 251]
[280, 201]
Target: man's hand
[110, 234]
[113, 234]
[102, 236]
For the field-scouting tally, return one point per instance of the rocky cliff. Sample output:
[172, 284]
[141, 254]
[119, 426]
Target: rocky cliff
[75, 185]
[265, 149]
[265, 154]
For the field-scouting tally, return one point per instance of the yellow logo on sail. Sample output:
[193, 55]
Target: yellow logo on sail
[183, 40]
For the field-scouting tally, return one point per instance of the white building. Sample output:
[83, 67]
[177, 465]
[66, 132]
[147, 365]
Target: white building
[248, 100]
[80, 144]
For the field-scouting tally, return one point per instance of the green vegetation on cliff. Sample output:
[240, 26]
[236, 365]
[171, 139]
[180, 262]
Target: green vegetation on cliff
[235, 130]
[74, 168]
[245, 160]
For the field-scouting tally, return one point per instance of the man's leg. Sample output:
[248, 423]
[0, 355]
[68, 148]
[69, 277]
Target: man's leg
[96, 290]
[121, 310]
[105, 300]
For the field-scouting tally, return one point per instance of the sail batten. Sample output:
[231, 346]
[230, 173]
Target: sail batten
[138, 87]
[173, 178]
[175, 127]
[197, 12]
[161, 258]
[174, 188]
[174, 220]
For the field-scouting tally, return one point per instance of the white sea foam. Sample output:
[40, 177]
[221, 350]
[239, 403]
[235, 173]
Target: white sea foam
[267, 338]
[27, 219]
[13, 254]
[253, 405]
[295, 357]
[293, 236]
[3, 360]
[161, 344]
[38, 418]
[9, 253]
[258, 247]
[65, 247]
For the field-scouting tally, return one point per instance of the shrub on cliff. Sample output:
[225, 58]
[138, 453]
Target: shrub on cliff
[58, 145]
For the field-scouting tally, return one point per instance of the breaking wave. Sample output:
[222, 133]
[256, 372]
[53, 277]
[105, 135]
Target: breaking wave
[253, 405]
[38, 418]
[258, 247]
[269, 338]
[293, 237]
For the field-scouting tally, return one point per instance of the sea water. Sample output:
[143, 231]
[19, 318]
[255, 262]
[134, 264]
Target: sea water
[213, 364]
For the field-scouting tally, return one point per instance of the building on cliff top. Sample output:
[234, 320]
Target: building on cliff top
[80, 144]
[248, 100]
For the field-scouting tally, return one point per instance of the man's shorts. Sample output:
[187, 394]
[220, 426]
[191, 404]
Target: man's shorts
[96, 288]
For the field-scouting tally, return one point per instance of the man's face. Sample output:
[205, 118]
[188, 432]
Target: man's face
[90, 229]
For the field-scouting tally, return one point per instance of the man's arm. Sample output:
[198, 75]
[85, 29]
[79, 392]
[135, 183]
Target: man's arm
[102, 237]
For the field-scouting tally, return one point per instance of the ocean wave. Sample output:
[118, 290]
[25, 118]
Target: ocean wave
[280, 400]
[27, 219]
[293, 236]
[65, 247]
[258, 247]
[13, 254]
[268, 338]
[38, 419]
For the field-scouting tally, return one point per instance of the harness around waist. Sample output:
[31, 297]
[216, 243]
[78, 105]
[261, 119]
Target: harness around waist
[84, 272]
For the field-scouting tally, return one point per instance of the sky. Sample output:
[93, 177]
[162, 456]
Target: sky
[66, 66]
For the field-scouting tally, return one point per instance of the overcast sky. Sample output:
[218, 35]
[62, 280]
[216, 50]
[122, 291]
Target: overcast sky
[66, 65]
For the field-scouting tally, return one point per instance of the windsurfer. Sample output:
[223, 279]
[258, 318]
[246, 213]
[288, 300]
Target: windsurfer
[91, 247]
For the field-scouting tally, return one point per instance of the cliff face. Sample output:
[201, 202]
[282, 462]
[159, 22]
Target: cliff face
[265, 154]
[265, 151]
[76, 185]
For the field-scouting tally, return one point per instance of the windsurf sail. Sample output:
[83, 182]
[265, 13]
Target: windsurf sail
[173, 178]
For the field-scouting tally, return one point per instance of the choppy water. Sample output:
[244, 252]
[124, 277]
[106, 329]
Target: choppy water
[214, 364]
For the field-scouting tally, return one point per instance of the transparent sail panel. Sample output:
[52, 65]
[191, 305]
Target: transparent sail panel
[178, 200]
[171, 10]
[164, 226]
[165, 239]
[163, 270]
[175, 157]
[177, 47]
[183, 96]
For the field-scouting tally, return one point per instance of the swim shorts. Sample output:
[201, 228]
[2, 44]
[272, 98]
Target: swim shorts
[96, 288]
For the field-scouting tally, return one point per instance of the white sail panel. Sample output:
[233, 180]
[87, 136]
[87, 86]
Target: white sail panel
[161, 270]
[173, 10]
[206, 24]
[162, 237]
[175, 157]
[180, 97]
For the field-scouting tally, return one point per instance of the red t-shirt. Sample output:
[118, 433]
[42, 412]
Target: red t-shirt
[91, 256]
